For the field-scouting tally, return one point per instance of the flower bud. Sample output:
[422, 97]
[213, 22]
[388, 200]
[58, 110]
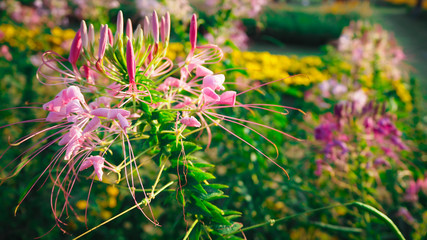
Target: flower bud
[91, 35]
[83, 30]
[103, 41]
[155, 23]
[130, 61]
[119, 30]
[76, 47]
[129, 31]
[193, 32]
[147, 28]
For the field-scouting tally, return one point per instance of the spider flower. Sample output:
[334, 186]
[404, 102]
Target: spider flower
[105, 80]
[352, 122]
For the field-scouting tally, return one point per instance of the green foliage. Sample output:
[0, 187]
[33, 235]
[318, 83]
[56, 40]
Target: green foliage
[298, 26]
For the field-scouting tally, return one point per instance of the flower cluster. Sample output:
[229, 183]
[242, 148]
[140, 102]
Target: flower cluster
[35, 40]
[362, 45]
[341, 8]
[411, 3]
[339, 140]
[309, 69]
[55, 12]
[255, 64]
[120, 88]
[366, 57]
[181, 10]
[414, 187]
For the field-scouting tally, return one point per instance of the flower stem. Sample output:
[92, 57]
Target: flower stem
[158, 178]
[143, 202]
[191, 229]
[366, 207]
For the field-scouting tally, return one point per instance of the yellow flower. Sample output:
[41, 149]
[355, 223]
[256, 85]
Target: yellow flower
[81, 204]
[112, 191]
[112, 202]
[106, 214]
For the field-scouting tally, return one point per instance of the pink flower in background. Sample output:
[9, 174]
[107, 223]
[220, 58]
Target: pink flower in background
[4, 51]
[337, 134]
[403, 212]
[411, 194]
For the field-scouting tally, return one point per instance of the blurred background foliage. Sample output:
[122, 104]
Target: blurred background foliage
[363, 132]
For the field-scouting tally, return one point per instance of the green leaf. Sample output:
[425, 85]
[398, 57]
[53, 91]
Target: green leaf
[203, 165]
[227, 229]
[189, 147]
[199, 189]
[200, 204]
[217, 214]
[218, 186]
[199, 175]
[145, 109]
[212, 193]
[27, 189]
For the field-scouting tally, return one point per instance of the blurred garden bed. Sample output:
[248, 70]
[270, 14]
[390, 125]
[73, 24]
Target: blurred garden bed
[305, 25]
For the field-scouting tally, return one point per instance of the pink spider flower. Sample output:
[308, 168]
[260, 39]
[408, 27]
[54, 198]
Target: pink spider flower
[209, 54]
[205, 101]
[97, 162]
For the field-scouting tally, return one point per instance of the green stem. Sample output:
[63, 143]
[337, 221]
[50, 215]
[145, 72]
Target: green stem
[366, 207]
[126, 211]
[158, 178]
[337, 228]
[191, 229]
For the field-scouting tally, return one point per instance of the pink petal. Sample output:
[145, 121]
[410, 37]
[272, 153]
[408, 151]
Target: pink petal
[174, 82]
[114, 89]
[55, 117]
[105, 101]
[98, 164]
[123, 122]
[74, 133]
[92, 125]
[228, 98]
[187, 101]
[85, 165]
[100, 112]
[110, 113]
[209, 95]
[54, 105]
[162, 87]
[203, 71]
[72, 93]
[114, 112]
[74, 107]
[214, 81]
[190, 122]
[72, 147]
